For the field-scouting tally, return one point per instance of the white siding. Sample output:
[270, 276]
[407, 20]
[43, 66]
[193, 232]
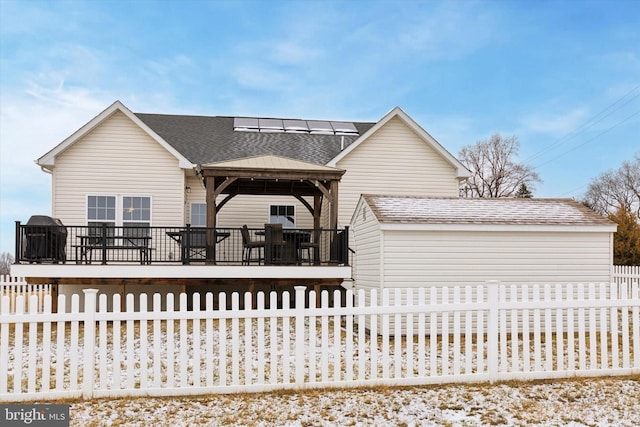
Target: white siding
[118, 158]
[438, 257]
[366, 243]
[393, 161]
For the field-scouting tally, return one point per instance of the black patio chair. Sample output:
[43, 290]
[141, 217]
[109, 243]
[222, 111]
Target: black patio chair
[248, 245]
[274, 237]
[311, 247]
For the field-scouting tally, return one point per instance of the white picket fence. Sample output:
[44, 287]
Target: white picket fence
[624, 276]
[15, 286]
[489, 332]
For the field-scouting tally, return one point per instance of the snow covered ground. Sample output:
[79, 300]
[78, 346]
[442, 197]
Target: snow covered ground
[583, 402]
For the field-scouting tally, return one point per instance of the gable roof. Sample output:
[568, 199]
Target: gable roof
[204, 139]
[461, 171]
[485, 211]
[196, 140]
[270, 162]
[48, 160]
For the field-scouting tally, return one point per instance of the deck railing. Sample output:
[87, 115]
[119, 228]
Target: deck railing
[105, 244]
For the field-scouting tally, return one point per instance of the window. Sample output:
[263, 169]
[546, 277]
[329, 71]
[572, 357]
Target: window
[282, 214]
[199, 214]
[136, 209]
[131, 212]
[136, 219]
[101, 210]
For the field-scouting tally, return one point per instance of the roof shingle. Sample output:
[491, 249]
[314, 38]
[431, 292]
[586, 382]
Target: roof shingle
[203, 139]
[422, 210]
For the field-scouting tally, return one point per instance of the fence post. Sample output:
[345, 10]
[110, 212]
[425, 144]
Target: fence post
[89, 342]
[300, 312]
[493, 287]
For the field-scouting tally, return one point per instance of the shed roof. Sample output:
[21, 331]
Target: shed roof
[424, 210]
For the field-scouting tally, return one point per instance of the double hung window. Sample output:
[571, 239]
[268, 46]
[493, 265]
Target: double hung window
[136, 219]
[131, 214]
[101, 212]
[198, 215]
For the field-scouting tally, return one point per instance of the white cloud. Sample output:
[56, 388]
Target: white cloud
[33, 121]
[449, 32]
[555, 124]
[289, 52]
[429, 32]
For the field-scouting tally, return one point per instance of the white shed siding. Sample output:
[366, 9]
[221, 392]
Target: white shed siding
[118, 158]
[438, 257]
[367, 246]
[396, 161]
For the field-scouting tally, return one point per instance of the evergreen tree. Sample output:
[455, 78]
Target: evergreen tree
[524, 192]
[626, 241]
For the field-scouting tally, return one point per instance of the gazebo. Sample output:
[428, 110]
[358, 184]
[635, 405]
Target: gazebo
[270, 176]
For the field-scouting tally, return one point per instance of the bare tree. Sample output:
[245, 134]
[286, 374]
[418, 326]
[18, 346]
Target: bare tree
[615, 189]
[5, 263]
[495, 170]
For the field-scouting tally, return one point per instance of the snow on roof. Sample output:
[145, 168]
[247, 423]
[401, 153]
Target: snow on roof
[424, 210]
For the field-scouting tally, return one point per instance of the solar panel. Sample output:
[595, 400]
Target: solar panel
[344, 127]
[295, 125]
[316, 127]
[319, 126]
[245, 122]
[271, 124]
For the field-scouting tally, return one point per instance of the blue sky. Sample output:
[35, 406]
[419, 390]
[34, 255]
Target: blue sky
[564, 77]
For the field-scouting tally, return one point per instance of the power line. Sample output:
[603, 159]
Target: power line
[589, 140]
[588, 124]
[566, 193]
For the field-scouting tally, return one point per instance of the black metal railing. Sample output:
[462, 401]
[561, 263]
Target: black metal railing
[107, 244]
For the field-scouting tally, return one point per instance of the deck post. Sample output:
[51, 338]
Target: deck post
[18, 243]
[210, 184]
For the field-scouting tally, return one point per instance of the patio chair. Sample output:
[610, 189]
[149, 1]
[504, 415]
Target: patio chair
[274, 237]
[248, 245]
[311, 247]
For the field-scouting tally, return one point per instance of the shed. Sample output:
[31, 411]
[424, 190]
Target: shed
[420, 241]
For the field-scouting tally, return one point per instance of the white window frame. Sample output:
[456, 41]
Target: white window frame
[284, 224]
[191, 214]
[119, 213]
[119, 221]
[108, 220]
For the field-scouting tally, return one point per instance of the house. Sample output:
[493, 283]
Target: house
[417, 241]
[127, 186]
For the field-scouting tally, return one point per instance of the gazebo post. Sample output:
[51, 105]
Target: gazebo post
[210, 184]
